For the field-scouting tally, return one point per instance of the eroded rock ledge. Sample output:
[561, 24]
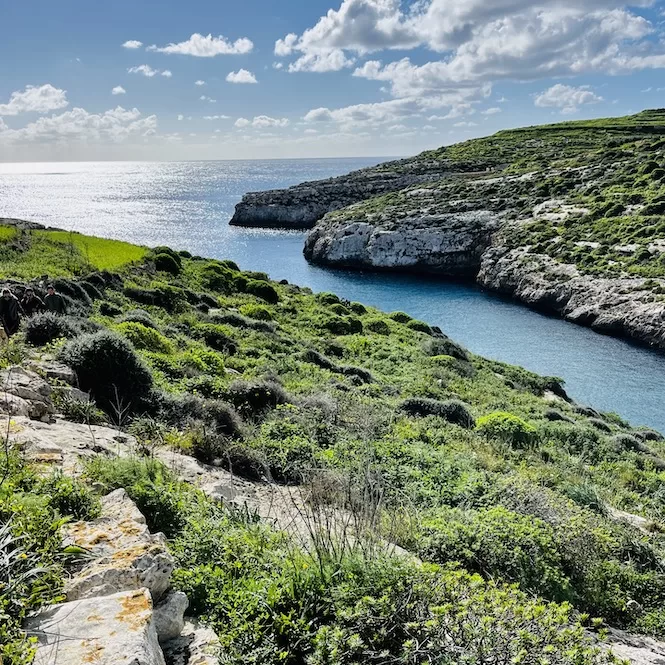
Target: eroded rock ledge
[301, 206]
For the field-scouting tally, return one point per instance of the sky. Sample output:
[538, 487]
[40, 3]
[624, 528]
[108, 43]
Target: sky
[255, 79]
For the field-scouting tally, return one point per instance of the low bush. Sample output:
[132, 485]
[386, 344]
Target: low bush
[599, 424]
[363, 375]
[556, 416]
[444, 346]
[453, 411]
[342, 325]
[108, 367]
[507, 427]
[326, 298]
[92, 290]
[44, 327]
[378, 326]
[107, 308]
[357, 308]
[224, 418]
[239, 321]
[68, 496]
[77, 410]
[256, 312]
[401, 317]
[254, 400]
[155, 490]
[420, 326]
[262, 290]
[146, 338]
[167, 263]
[217, 277]
[316, 358]
[211, 447]
[216, 338]
[139, 316]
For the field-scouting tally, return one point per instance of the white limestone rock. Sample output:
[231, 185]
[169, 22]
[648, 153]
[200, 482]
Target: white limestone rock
[28, 386]
[125, 554]
[109, 630]
[197, 645]
[169, 615]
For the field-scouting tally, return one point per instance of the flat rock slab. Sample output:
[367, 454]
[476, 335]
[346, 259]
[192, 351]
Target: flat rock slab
[63, 443]
[110, 630]
[637, 649]
[197, 645]
[125, 555]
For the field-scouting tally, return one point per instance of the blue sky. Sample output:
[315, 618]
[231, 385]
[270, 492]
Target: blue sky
[118, 80]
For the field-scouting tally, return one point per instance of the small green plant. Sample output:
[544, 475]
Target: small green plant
[507, 427]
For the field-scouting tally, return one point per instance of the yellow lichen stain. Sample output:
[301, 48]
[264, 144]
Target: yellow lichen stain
[130, 554]
[95, 617]
[130, 528]
[135, 609]
[93, 651]
[46, 458]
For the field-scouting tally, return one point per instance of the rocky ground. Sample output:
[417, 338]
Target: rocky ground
[119, 607]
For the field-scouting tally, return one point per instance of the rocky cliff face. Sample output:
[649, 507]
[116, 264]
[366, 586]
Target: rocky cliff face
[301, 206]
[625, 307]
[447, 244]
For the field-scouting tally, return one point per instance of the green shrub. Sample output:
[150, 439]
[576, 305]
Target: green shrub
[339, 309]
[217, 278]
[629, 442]
[556, 416]
[420, 326]
[255, 400]
[139, 316]
[154, 489]
[224, 419]
[216, 338]
[77, 410]
[507, 427]
[363, 375]
[326, 298]
[146, 338]
[262, 290]
[44, 327]
[166, 263]
[401, 317]
[316, 358]
[453, 411]
[239, 321]
[69, 496]
[499, 543]
[445, 346]
[378, 326]
[599, 424]
[256, 312]
[358, 308]
[92, 290]
[342, 325]
[211, 447]
[107, 366]
[107, 308]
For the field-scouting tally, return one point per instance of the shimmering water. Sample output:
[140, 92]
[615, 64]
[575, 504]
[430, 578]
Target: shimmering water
[187, 205]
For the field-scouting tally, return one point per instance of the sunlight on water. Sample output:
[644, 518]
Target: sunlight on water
[187, 205]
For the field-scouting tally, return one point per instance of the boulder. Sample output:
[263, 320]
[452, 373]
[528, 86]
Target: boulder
[125, 554]
[197, 645]
[169, 615]
[111, 630]
[53, 370]
[28, 386]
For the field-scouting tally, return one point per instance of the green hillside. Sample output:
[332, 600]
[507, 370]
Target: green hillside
[504, 492]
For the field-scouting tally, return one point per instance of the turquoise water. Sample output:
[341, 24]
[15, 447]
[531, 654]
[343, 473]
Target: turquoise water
[187, 205]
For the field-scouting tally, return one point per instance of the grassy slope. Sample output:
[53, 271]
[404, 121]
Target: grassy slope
[614, 169]
[519, 494]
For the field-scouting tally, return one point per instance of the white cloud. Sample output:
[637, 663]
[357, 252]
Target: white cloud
[181, 116]
[132, 43]
[118, 90]
[483, 41]
[367, 114]
[567, 98]
[491, 111]
[206, 47]
[277, 65]
[37, 99]
[325, 61]
[145, 70]
[465, 123]
[167, 73]
[205, 98]
[261, 122]
[241, 76]
[215, 117]
[199, 82]
[113, 126]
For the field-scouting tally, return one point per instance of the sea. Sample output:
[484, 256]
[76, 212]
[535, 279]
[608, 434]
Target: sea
[187, 205]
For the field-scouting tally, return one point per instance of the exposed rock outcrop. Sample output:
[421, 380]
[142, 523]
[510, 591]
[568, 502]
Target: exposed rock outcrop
[115, 629]
[25, 393]
[449, 244]
[624, 307]
[301, 206]
[125, 554]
